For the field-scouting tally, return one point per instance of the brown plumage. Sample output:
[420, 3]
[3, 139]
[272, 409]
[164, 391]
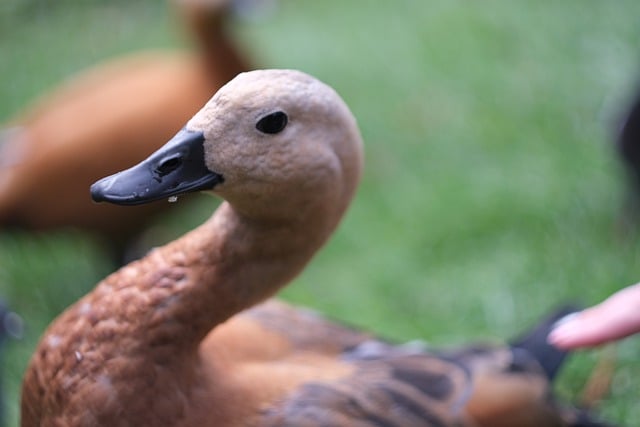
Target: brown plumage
[176, 338]
[104, 120]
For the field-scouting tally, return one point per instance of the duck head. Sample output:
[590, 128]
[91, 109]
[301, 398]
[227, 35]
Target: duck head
[266, 140]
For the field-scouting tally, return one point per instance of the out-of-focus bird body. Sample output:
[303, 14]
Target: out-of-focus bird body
[104, 120]
[117, 105]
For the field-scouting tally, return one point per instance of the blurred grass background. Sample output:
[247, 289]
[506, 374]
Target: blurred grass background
[491, 192]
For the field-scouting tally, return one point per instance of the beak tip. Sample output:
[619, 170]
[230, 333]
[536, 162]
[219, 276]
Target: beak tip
[97, 191]
[102, 191]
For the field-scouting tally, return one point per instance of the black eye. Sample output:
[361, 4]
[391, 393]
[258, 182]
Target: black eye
[272, 123]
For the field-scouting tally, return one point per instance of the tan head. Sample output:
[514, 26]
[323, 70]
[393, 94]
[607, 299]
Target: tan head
[273, 143]
[279, 136]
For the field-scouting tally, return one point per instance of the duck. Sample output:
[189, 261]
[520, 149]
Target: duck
[627, 146]
[192, 334]
[104, 119]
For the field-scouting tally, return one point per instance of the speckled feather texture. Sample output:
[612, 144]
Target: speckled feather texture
[188, 336]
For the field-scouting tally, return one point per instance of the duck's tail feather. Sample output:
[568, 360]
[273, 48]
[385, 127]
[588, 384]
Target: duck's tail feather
[535, 342]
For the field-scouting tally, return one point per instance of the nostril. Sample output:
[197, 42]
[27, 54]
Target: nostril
[168, 165]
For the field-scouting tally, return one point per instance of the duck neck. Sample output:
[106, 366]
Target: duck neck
[221, 268]
[218, 51]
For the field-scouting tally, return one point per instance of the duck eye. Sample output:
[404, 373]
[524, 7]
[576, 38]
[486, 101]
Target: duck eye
[272, 123]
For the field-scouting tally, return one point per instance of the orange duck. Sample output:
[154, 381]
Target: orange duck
[102, 121]
[187, 336]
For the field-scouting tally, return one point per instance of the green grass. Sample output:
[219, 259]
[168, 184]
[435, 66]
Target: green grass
[491, 192]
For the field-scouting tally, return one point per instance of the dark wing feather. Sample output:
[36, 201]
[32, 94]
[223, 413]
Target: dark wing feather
[396, 391]
[400, 386]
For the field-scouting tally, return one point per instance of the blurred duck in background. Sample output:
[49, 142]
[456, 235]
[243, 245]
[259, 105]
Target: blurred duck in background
[103, 120]
[628, 148]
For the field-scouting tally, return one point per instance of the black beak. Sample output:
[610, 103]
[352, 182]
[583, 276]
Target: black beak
[176, 168]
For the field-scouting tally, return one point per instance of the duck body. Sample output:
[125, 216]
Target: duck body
[188, 335]
[268, 373]
[86, 130]
[104, 120]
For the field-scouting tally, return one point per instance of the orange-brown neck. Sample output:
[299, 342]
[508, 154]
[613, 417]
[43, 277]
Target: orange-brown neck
[179, 292]
[146, 321]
